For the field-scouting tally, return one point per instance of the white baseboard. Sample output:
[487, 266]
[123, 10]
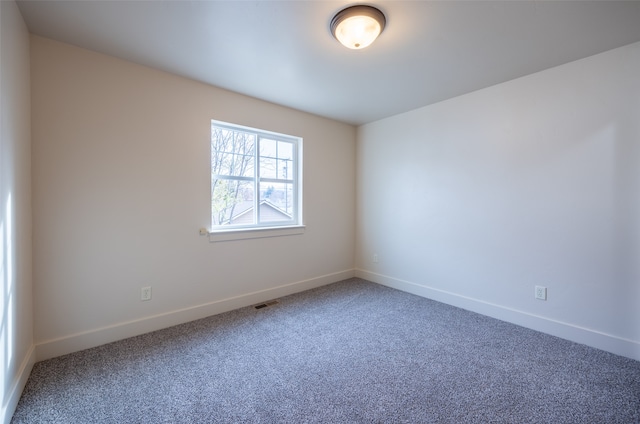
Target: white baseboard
[17, 386]
[88, 339]
[574, 333]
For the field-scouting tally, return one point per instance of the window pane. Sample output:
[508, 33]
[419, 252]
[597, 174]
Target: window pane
[285, 160]
[268, 147]
[232, 202]
[232, 153]
[268, 168]
[268, 158]
[285, 169]
[285, 150]
[276, 202]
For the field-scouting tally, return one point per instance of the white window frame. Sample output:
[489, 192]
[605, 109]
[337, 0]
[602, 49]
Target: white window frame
[261, 229]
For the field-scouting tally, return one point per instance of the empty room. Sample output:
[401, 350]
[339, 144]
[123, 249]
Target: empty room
[320, 211]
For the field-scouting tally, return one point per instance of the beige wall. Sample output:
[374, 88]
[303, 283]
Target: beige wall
[475, 200]
[121, 187]
[16, 329]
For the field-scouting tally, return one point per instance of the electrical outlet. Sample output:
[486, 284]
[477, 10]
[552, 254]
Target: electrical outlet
[375, 258]
[541, 293]
[145, 293]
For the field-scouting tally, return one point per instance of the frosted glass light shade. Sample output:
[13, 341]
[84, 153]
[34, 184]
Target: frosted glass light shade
[356, 27]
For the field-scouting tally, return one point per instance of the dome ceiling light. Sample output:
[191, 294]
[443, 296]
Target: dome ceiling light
[356, 27]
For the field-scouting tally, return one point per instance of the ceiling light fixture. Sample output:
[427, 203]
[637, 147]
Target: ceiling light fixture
[358, 26]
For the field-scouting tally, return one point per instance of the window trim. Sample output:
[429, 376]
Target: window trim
[267, 229]
[255, 233]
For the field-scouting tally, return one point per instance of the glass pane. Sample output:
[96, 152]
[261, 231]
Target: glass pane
[276, 202]
[268, 168]
[268, 148]
[285, 169]
[232, 152]
[268, 155]
[232, 202]
[285, 150]
[219, 138]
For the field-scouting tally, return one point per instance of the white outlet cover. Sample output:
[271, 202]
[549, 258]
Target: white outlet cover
[541, 293]
[145, 293]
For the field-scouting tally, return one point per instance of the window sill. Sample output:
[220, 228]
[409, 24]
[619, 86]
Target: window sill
[254, 233]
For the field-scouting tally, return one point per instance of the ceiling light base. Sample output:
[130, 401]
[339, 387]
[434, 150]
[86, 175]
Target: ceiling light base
[356, 27]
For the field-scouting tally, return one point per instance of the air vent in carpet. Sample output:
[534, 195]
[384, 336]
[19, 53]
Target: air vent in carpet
[265, 304]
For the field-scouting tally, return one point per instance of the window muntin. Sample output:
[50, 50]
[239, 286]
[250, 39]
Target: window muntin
[246, 162]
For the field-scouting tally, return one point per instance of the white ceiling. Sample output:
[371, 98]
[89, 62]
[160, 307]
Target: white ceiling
[282, 51]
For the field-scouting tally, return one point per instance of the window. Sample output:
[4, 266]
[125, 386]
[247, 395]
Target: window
[255, 178]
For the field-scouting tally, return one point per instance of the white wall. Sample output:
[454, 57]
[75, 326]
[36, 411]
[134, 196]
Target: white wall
[121, 187]
[16, 325]
[475, 200]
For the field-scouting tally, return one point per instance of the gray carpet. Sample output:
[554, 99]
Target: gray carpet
[350, 352]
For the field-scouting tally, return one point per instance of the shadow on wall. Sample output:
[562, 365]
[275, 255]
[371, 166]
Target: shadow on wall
[7, 298]
[626, 250]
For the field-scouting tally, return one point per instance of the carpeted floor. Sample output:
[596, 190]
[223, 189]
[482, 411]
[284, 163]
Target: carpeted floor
[350, 352]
